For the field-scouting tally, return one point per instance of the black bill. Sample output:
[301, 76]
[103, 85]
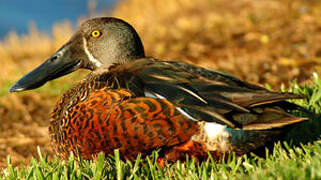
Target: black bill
[56, 66]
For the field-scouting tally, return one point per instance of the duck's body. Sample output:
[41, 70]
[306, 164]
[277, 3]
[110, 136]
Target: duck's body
[141, 104]
[148, 104]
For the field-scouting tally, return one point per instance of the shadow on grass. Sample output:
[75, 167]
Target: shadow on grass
[310, 130]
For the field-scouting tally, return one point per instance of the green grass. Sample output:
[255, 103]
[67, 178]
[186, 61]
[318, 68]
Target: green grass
[284, 162]
[297, 157]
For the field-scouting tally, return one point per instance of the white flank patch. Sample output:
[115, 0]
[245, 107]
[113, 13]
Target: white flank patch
[214, 136]
[89, 55]
[214, 130]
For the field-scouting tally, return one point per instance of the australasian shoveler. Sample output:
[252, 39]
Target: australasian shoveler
[138, 104]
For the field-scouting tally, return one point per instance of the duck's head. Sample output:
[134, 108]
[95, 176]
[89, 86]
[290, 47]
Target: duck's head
[99, 42]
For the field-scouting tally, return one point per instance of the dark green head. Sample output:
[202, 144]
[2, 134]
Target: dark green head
[99, 42]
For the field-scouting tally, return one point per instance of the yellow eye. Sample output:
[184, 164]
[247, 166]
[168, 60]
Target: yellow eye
[95, 33]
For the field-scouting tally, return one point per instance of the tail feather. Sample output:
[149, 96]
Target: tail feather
[266, 118]
[275, 124]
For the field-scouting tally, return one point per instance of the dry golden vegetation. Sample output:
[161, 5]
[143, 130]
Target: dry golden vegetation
[271, 41]
[24, 117]
[259, 41]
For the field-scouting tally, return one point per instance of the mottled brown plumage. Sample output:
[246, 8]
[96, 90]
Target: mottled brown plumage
[138, 104]
[113, 119]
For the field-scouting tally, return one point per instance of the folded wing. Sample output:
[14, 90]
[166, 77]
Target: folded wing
[206, 95]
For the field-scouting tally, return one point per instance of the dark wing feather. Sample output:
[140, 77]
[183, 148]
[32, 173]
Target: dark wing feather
[201, 93]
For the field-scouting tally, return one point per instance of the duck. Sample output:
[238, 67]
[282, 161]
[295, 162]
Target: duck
[138, 104]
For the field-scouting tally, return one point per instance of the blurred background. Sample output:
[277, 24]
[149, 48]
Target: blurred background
[17, 15]
[266, 42]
